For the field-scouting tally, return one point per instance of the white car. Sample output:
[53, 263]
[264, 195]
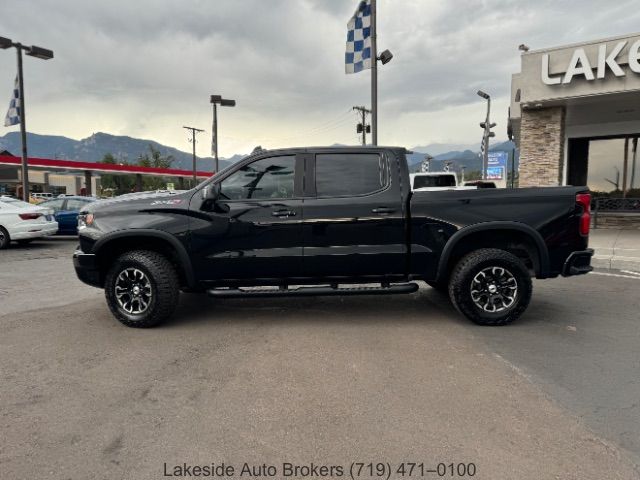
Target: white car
[436, 181]
[22, 222]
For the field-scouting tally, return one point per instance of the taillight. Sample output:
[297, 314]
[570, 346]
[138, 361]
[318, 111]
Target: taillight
[584, 200]
[29, 216]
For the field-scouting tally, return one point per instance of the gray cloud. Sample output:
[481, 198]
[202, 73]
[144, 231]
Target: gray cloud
[146, 67]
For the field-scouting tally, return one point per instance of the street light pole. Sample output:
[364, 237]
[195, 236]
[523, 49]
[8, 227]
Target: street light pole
[223, 102]
[374, 74]
[214, 136]
[23, 128]
[487, 126]
[43, 54]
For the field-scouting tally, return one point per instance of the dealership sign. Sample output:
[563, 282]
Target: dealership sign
[607, 61]
[497, 168]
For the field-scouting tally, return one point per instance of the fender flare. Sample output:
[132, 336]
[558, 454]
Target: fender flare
[183, 255]
[543, 252]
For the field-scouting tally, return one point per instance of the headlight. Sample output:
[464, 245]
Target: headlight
[85, 220]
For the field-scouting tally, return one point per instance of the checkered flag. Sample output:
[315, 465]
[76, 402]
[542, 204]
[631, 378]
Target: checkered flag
[13, 114]
[358, 55]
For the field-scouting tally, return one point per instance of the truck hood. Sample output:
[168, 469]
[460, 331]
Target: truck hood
[141, 201]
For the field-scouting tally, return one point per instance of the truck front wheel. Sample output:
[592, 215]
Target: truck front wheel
[490, 287]
[142, 288]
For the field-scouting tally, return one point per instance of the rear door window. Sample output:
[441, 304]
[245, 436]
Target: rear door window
[350, 174]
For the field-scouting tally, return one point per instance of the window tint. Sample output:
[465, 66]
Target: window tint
[75, 204]
[340, 174]
[269, 178]
[424, 181]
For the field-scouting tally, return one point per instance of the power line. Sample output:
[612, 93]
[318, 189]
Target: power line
[324, 126]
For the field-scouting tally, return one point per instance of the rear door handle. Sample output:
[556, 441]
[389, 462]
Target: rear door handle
[283, 213]
[383, 210]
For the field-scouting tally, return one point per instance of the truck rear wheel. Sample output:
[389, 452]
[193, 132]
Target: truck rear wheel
[142, 289]
[490, 287]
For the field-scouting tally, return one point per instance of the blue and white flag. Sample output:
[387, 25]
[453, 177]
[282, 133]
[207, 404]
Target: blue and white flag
[13, 114]
[358, 55]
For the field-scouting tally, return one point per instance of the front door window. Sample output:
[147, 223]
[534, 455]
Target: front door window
[267, 179]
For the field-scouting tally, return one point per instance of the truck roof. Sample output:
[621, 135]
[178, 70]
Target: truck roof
[333, 148]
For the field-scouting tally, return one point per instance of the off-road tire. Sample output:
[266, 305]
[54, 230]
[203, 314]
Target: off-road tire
[164, 282]
[5, 239]
[462, 278]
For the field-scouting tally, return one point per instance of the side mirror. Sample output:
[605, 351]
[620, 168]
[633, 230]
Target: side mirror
[211, 192]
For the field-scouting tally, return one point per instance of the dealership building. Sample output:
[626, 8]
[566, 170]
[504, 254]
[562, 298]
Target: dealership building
[575, 116]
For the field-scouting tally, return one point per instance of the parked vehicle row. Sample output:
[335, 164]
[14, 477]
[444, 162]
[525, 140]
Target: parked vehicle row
[65, 210]
[22, 222]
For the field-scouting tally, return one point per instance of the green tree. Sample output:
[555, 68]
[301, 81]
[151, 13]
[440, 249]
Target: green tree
[154, 159]
[115, 184]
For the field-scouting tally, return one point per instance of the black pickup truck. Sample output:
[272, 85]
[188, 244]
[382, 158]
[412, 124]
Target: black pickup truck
[331, 221]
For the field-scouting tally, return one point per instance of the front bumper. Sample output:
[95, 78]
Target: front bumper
[87, 268]
[578, 263]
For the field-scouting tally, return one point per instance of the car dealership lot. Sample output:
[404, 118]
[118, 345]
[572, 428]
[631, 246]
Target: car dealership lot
[324, 380]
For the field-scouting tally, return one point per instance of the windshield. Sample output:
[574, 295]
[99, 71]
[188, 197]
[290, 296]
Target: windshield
[221, 172]
[425, 181]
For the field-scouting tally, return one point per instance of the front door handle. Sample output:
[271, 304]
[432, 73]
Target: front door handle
[283, 213]
[383, 210]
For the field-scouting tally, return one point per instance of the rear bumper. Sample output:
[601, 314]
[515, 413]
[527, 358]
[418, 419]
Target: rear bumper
[578, 263]
[33, 230]
[87, 268]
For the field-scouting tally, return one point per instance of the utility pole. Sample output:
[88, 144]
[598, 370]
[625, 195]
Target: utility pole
[194, 130]
[362, 127]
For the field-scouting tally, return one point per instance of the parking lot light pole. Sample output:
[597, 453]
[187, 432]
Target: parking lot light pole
[223, 102]
[43, 54]
[486, 126]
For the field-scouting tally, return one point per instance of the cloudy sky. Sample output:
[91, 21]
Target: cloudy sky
[145, 68]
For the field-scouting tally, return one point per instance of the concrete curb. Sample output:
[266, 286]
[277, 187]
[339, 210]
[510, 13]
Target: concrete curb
[616, 249]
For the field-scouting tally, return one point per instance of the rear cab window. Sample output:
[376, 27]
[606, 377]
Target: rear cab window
[350, 174]
[425, 181]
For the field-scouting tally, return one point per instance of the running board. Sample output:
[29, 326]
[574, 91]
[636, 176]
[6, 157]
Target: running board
[311, 291]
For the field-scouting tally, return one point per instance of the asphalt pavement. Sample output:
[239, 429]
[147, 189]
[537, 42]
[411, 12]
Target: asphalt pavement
[331, 380]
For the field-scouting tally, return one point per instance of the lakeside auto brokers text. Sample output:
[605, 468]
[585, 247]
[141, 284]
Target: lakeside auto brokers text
[353, 470]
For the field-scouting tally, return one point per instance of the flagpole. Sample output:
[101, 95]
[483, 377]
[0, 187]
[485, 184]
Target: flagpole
[23, 129]
[374, 77]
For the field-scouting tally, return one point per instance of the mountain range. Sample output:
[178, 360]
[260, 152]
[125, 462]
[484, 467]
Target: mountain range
[95, 147]
[128, 149]
[457, 159]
